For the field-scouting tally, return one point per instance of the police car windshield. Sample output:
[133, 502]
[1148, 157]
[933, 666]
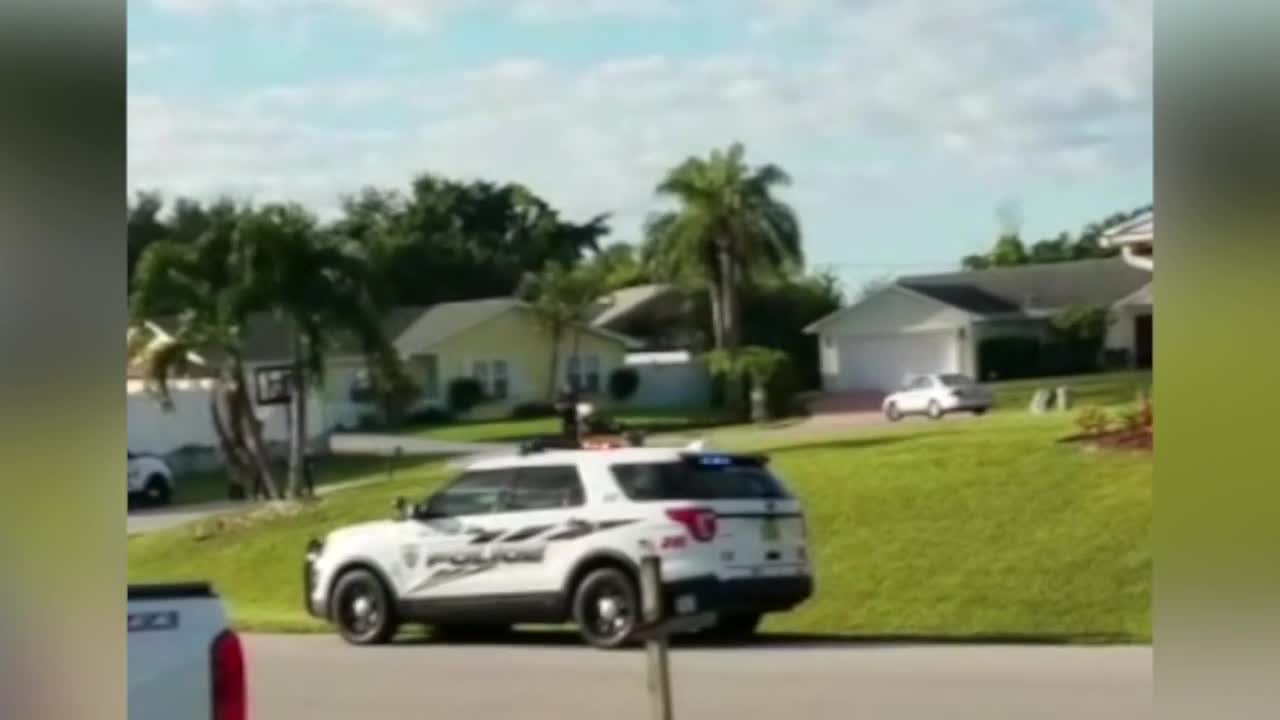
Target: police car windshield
[697, 481]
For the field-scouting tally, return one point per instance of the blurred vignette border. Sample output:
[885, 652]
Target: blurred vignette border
[1217, 584]
[62, 309]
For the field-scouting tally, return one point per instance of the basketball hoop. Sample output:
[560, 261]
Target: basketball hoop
[273, 384]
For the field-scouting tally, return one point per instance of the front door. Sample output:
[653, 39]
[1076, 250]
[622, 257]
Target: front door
[1142, 345]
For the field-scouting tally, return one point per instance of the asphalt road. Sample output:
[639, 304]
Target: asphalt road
[320, 678]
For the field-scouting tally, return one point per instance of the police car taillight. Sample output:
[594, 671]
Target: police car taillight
[700, 522]
[230, 696]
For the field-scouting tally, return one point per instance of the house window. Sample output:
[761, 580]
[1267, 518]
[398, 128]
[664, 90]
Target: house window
[361, 387]
[493, 377]
[501, 384]
[592, 373]
[583, 373]
[430, 376]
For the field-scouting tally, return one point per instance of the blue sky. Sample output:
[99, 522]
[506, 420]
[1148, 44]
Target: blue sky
[904, 123]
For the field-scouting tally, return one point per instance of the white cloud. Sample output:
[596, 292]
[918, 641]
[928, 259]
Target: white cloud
[426, 14]
[901, 89]
[569, 10]
[150, 55]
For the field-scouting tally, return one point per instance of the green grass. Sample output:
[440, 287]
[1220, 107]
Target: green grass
[980, 529]
[515, 430]
[1112, 388]
[200, 487]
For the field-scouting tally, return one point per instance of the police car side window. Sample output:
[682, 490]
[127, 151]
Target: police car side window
[545, 488]
[474, 493]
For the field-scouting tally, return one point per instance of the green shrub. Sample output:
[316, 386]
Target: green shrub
[1093, 421]
[430, 416]
[1079, 336]
[465, 393]
[1009, 358]
[623, 383]
[535, 409]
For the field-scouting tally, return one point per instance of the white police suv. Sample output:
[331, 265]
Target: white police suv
[555, 536]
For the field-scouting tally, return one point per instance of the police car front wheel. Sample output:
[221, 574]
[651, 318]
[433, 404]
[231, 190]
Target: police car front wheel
[362, 609]
[606, 608]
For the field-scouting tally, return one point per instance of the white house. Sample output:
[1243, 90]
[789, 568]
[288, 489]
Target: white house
[1136, 240]
[936, 323]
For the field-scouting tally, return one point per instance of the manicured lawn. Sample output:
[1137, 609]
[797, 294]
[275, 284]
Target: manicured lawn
[982, 528]
[1113, 388]
[515, 430]
[211, 486]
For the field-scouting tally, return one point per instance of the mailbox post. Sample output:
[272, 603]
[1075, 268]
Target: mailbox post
[657, 629]
[655, 644]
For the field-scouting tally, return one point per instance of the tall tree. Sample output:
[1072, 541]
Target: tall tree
[319, 284]
[207, 279]
[143, 227]
[620, 266]
[563, 299]
[474, 239]
[728, 229]
[1010, 250]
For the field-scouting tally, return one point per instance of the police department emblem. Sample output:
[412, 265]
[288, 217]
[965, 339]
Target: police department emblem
[409, 553]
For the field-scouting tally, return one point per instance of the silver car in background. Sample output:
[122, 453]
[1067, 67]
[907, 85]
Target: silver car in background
[936, 395]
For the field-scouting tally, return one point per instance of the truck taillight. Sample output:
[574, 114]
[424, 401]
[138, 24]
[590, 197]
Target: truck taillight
[700, 522]
[230, 696]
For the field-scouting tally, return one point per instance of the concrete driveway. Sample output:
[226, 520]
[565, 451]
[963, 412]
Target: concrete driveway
[321, 678]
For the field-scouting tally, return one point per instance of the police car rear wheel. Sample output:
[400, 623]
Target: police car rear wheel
[606, 608]
[362, 609]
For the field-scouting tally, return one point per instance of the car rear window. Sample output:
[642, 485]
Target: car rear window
[955, 380]
[696, 481]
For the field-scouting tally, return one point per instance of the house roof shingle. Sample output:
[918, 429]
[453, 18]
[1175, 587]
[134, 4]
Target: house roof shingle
[444, 319]
[1031, 288]
[620, 304]
[267, 337]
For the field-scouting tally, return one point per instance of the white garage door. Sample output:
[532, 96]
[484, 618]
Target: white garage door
[881, 362]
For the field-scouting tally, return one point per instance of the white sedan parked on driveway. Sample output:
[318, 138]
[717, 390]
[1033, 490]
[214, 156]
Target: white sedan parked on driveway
[937, 395]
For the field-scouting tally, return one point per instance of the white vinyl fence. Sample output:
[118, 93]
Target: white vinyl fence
[674, 379]
[189, 424]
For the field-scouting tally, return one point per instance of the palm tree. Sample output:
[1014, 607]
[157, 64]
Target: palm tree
[203, 279]
[728, 230]
[320, 284]
[563, 299]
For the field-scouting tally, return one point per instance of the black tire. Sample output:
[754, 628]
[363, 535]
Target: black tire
[980, 411]
[362, 610]
[935, 410]
[601, 630]
[892, 413]
[734, 628]
[156, 491]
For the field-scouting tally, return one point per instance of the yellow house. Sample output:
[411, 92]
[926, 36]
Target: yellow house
[500, 342]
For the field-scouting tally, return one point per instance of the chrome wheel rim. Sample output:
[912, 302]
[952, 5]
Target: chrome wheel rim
[609, 612]
[361, 611]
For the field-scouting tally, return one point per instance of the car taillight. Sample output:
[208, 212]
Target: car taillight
[700, 522]
[230, 701]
